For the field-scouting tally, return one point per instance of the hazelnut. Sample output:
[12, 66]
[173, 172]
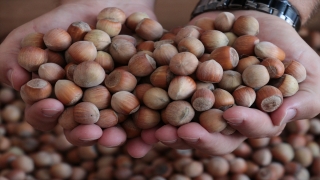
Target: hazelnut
[130, 128]
[181, 87]
[66, 120]
[30, 58]
[105, 60]
[35, 90]
[133, 19]
[149, 29]
[224, 21]
[205, 23]
[212, 120]
[82, 51]
[111, 27]
[287, 84]
[209, 71]
[213, 39]
[56, 57]
[202, 99]
[246, 25]
[163, 54]
[192, 45]
[187, 31]
[223, 99]
[99, 38]
[141, 65]
[33, 39]
[51, 72]
[230, 80]
[98, 95]
[244, 96]
[226, 56]
[161, 77]
[88, 74]
[57, 39]
[255, 76]
[178, 113]
[140, 90]
[124, 102]
[67, 92]
[120, 80]
[246, 62]
[231, 37]
[274, 66]
[266, 49]
[156, 98]
[108, 118]
[295, 69]
[269, 98]
[146, 46]
[78, 30]
[183, 63]
[112, 13]
[146, 118]
[245, 44]
[122, 50]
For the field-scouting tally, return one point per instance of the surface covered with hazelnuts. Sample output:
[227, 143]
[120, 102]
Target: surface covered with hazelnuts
[152, 76]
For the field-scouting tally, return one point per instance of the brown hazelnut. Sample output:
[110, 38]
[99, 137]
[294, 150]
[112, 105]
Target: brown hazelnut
[35, 90]
[57, 39]
[88, 74]
[178, 113]
[269, 98]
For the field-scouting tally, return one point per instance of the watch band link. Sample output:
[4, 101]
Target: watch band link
[280, 8]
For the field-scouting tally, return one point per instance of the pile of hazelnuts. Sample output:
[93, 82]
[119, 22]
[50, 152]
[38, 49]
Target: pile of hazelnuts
[151, 76]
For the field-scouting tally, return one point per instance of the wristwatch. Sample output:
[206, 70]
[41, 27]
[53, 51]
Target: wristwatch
[280, 8]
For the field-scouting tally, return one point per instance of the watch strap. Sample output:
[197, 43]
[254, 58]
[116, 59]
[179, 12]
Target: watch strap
[280, 8]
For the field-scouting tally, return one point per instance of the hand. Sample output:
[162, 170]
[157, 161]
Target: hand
[43, 115]
[252, 123]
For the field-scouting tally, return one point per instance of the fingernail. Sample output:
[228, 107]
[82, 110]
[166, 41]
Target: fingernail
[88, 140]
[291, 113]
[50, 112]
[9, 76]
[169, 142]
[190, 140]
[234, 121]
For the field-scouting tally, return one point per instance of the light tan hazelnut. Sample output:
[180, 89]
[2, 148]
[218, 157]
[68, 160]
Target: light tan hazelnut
[209, 71]
[133, 19]
[57, 39]
[295, 69]
[163, 53]
[88, 74]
[213, 39]
[224, 21]
[99, 38]
[232, 37]
[112, 13]
[156, 98]
[51, 72]
[230, 80]
[287, 84]
[202, 99]
[122, 50]
[192, 45]
[255, 76]
[111, 27]
[246, 25]
[149, 29]
[212, 120]
[178, 113]
[266, 49]
[183, 63]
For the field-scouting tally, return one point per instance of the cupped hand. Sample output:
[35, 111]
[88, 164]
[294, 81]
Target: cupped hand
[43, 115]
[249, 122]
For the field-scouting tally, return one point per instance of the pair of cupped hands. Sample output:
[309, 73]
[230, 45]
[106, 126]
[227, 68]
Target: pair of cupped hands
[249, 123]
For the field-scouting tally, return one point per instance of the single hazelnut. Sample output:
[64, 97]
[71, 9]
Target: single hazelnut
[183, 63]
[69, 70]
[246, 62]
[124, 102]
[146, 46]
[88, 74]
[30, 58]
[140, 90]
[245, 45]
[108, 118]
[266, 49]
[120, 80]
[112, 13]
[224, 21]
[269, 98]
[226, 56]
[232, 37]
[192, 45]
[207, 85]
[78, 30]
[156, 98]
[246, 25]
[56, 57]
[33, 39]
[255, 76]
[111, 27]
[230, 80]
[146, 118]
[98, 95]
[213, 39]
[149, 29]
[287, 84]
[178, 113]
[122, 50]
[105, 60]
[181, 87]
[67, 92]
[51, 72]
[133, 19]
[244, 96]
[161, 77]
[141, 65]
[35, 90]
[163, 54]
[57, 39]
[130, 128]
[66, 120]
[295, 69]
[187, 31]
[209, 71]
[99, 38]
[82, 51]
[223, 99]
[205, 23]
[282, 152]
[202, 99]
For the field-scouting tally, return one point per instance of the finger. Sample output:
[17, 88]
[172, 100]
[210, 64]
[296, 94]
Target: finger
[149, 136]
[251, 123]
[84, 135]
[210, 143]
[43, 115]
[303, 105]
[112, 137]
[167, 134]
[137, 148]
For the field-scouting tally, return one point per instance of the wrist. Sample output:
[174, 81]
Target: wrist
[305, 8]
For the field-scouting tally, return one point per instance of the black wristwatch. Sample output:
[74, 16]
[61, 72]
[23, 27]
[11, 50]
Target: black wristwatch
[280, 8]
